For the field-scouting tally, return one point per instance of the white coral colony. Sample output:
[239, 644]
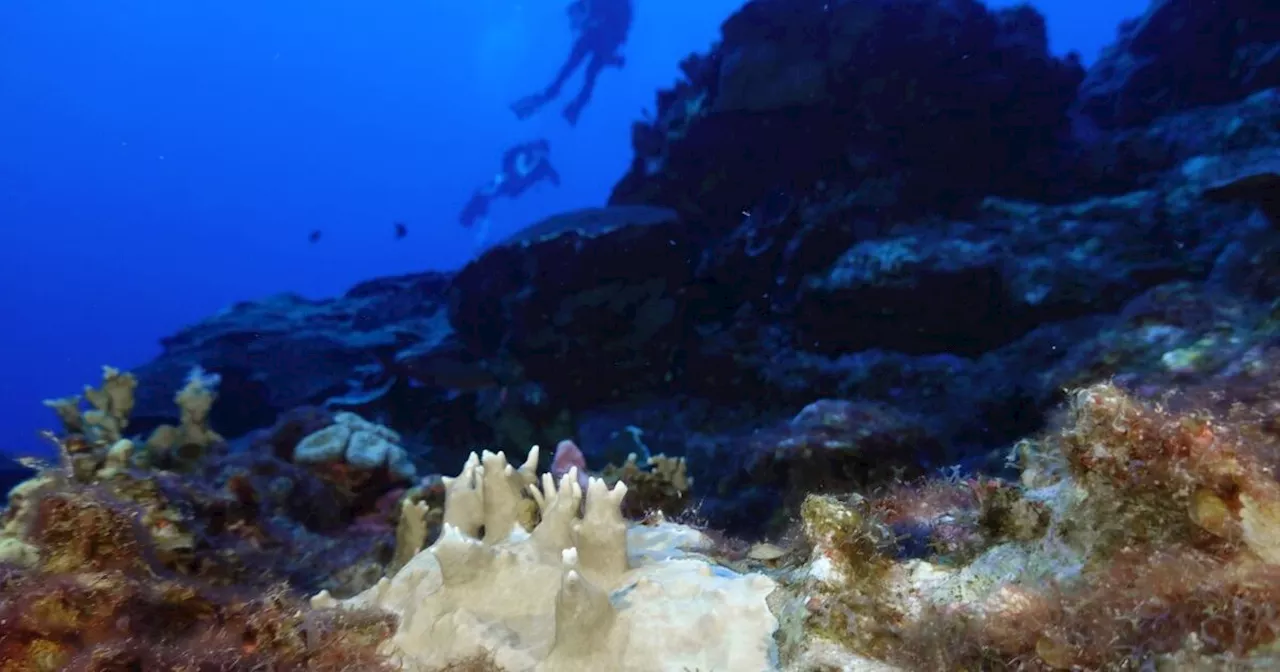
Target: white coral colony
[584, 591]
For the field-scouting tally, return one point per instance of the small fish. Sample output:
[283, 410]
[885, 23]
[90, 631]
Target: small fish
[569, 457]
[402, 229]
[315, 236]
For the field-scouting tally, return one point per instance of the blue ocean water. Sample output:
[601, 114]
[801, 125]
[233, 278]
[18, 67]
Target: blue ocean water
[161, 160]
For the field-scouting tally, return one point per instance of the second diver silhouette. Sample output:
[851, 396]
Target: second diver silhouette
[523, 166]
[600, 29]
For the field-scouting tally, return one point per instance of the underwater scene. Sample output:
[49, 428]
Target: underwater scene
[640, 336]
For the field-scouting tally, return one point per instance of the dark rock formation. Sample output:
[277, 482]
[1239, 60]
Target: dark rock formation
[596, 294]
[909, 107]
[1180, 55]
[830, 446]
[287, 351]
[1250, 176]
[1135, 157]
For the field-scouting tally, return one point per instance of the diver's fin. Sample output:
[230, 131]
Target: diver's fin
[572, 111]
[526, 107]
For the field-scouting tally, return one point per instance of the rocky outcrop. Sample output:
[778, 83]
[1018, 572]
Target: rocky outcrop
[1120, 160]
[1181, 55]
[892, 106]
[287, 351]
[588, 303]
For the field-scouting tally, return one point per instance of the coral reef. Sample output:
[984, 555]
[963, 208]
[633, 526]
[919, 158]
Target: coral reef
[659, 487]
[95, 439]
[1135, 536]
[186, 443]
[958, 356]
[576, 591]
[226, 517]
[93, 593]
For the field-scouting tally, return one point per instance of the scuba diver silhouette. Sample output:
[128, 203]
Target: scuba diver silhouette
[600, 28]
[523, 166]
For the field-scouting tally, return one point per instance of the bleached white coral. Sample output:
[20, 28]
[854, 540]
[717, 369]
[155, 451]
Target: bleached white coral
[581, 591]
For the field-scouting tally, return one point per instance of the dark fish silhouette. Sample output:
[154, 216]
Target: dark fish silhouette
[402, 230]
[315, 236]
